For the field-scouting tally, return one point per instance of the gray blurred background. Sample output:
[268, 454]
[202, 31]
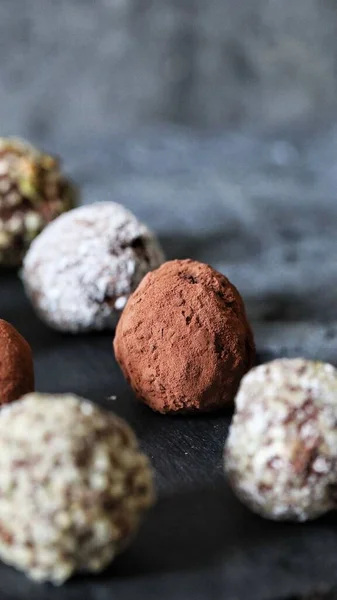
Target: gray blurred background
[215, 122]
[100, 65]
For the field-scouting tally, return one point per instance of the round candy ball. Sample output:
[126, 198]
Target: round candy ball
[33, 191]
[73, 486]
[81, 270]
[16, 364]
[281, 452]
[183, 341]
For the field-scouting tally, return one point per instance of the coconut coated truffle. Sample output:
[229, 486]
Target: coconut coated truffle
[281, 453]
[16, 364]
[183, 341]
[73, 486]
[81, 270]
[33, 191]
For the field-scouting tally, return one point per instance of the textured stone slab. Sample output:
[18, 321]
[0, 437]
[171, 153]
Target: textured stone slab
[263, 210]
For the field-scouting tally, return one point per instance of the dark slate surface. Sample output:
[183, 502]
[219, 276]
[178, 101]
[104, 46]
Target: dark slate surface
[263, 210]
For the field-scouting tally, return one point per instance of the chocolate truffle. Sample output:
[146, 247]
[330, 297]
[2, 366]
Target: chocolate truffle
[281, 453]
[16, 364]
[183, 341]
[81, 270]
[73, 486]
[33, 191]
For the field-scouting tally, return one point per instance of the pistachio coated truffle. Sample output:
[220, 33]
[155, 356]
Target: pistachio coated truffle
[33, 191]
[183, 341]
[16, 364]
[81, 270]
[73, 486]
[281, 452]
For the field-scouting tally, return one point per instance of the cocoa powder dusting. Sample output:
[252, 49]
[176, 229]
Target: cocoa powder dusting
[183, 340]
[16, 364]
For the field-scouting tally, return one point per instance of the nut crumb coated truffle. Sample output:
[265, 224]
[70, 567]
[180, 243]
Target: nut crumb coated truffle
[183, 341]
[16, 364]
[81, 270]
[33, 192]
[281, 452]
[73, 486]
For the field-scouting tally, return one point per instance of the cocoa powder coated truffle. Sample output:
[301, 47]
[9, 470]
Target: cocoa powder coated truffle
[281, 453]
[33, 192]
[16, 364]
[73, 486]
[81, 270]
[183, 341]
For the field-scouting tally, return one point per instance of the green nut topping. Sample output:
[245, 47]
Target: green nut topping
[33, 192]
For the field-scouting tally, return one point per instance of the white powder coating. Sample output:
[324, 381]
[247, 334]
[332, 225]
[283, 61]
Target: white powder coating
[281, 453]
[73, 486]
[80, 271]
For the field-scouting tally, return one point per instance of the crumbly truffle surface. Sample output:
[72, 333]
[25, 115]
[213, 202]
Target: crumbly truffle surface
[183, 341]
[81, 270]
[33, 192]
[73, 486]
[16, 364]
[281, 452]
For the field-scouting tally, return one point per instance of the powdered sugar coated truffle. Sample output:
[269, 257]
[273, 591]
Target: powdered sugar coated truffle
[73, 486]
[281, 452]
[81, 270]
